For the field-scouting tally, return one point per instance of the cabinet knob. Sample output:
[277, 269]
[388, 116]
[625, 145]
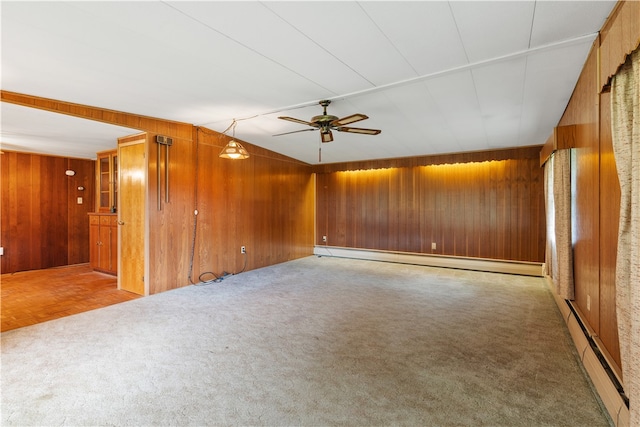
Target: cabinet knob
[120, 222]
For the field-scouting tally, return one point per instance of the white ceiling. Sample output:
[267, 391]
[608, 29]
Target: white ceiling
[436, 77]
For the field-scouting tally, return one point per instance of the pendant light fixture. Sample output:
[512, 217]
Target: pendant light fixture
[234, 150]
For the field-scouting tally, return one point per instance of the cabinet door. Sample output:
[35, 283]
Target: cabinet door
[94, 241]
[113, 244]
[104, 186]
[114, 182]
[104, 262]
[107, 181]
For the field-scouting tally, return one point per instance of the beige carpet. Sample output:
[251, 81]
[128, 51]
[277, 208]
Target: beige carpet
[316, 341]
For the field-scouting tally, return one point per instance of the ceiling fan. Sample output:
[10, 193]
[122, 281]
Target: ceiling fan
[326, 123]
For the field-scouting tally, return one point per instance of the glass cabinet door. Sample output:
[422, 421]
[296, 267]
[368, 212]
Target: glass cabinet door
[107, 165]
[114, 182]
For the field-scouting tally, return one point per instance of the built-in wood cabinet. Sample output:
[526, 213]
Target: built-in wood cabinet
[103, 242]
[107, 181]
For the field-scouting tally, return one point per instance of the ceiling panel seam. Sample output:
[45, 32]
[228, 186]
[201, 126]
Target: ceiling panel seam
[389, 40]
[250, 48]
[425, 77]
[319, 45]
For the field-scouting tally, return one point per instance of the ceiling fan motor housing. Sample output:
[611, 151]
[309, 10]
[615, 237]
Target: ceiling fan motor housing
[323, 119]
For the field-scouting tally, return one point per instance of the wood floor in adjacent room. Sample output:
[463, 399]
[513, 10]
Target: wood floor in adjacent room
[31, 297]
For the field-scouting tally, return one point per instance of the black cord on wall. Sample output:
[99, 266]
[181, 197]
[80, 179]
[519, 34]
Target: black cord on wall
[216, 278]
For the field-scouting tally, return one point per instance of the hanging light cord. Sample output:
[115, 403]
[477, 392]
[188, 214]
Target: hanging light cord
[216, 278]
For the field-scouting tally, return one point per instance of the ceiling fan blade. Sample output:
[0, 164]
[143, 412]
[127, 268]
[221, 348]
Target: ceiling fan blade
[349, 119]
[358, 130]
[326, 136]
[302, 122]
[295, 131]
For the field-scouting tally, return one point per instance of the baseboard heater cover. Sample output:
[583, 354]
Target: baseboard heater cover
[432, 260]
[608, 389]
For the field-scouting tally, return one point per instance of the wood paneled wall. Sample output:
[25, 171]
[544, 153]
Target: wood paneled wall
[265, 203]
[596, 198]
[171, 227]
[486, 205]
[583, 111]
[42, 225]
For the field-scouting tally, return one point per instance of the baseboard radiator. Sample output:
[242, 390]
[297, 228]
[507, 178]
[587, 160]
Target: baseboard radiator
[595, 364]
[434, 260]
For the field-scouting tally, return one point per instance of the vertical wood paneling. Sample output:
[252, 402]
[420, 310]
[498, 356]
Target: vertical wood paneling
[461, 210]
[78, 232]
[583, 111]
[31, 210]
[170, 228]
[42, 224]
[53, 203]
[481, 208]
[265, 203]
[500, 169]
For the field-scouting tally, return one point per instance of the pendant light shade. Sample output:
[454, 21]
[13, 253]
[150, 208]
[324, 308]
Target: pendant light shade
[234, 150]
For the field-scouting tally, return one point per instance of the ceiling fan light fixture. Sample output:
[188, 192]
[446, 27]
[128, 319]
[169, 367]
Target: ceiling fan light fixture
[326, 136]
[234, 150]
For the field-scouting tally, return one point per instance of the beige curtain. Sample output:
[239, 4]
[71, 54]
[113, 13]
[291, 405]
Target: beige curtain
[559, 250]
[625, 124]
[563, 268]
[550, 249]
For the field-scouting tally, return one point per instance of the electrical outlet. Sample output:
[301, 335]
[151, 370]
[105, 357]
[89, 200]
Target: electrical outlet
[433, 246]
[324, 239]
[243, 250]
[1, 251]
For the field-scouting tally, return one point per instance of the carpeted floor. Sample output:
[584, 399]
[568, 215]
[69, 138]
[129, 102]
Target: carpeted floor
[315, 341]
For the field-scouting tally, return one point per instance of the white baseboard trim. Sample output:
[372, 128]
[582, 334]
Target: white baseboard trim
[478, 264]
[603, 384]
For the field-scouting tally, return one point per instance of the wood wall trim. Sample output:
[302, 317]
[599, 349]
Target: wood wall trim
[562, 138]
[436, 159]
[132, 138]
[547, 149]
[119, 118]
[620, 36]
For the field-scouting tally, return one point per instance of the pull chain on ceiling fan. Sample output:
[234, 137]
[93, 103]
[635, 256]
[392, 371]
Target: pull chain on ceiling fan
[325, 123]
